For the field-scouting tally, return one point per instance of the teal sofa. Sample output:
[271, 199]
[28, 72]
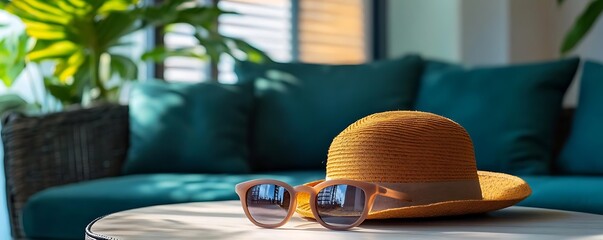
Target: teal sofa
[64, 170]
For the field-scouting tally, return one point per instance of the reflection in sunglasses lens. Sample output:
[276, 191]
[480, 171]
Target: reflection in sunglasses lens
[268, 203]
[340, 205]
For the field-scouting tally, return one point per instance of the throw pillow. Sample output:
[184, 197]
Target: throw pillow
[189, 128]
[583, 151]
[301, 107]
[510, 112]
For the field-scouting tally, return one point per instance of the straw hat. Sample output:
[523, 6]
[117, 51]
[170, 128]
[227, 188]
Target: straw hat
[429, 157]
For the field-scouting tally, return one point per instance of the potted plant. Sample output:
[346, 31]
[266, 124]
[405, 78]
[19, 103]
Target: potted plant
[77, 38]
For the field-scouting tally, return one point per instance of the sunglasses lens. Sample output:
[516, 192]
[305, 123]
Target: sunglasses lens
[268, 203]
[340, 205]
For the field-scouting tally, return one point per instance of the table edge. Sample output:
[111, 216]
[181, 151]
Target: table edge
[91, 235]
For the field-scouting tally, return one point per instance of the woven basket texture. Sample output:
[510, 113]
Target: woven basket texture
[60, 148]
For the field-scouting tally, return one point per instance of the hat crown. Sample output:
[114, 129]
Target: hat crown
[402, 147]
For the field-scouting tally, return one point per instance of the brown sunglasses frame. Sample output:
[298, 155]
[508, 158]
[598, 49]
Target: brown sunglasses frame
[371, 191]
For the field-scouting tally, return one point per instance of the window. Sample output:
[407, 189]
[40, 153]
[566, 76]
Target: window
[332, 31]
[314, 31]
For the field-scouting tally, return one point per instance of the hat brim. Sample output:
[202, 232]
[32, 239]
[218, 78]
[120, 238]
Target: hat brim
[498, 191]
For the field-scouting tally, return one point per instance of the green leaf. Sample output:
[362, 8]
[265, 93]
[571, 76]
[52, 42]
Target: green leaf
[199, 16]
[69, 67]
[181, 11]
[66, 94]
[124, 67]
[11, 102]
[116, 5]
[253, 54]
[25, 9]
[68, 8]
[582, 26]
[161, 15]
[13, 50]
[214, 47]
[112, 28]
[173, 4]
[46, 31]
[14, 103]
[559, 2]
[56, 50]
[61, 93]
[159, 54]
[47, 7]
[78, 3]
[113, 93]
[124, 44]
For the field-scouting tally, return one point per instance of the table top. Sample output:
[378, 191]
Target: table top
[226, 220]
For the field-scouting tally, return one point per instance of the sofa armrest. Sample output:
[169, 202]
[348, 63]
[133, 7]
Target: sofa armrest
[60, 148]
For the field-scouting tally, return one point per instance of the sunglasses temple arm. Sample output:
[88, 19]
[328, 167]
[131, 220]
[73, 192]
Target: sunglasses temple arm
[390, 193]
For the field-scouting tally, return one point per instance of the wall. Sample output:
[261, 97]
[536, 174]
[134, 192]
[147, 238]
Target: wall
[483, 32]
[531, 27]
[428, 27]
[454, 30]
[478, 32]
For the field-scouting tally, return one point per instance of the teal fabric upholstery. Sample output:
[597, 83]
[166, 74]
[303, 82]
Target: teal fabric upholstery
[300, 107]
[189, 128]
[508, 111]
[572, 193]
[583, 151]
[63, 212]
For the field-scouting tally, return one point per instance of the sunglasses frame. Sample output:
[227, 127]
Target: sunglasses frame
[371, 191]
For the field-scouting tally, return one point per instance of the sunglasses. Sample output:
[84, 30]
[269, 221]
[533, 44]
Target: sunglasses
[335, 204]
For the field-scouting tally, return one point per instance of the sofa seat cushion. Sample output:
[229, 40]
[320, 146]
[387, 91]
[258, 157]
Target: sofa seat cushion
[572, 193]
[63, 212]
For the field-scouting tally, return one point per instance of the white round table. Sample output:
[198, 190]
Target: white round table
[226, 220]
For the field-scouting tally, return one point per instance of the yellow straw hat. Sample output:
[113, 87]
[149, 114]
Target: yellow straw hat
[427, 156]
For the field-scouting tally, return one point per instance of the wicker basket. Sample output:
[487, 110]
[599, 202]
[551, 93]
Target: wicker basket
[60, 148]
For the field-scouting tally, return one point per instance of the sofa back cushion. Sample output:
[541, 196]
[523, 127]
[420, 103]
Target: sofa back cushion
[300, 107]
[192, 128]
[583, 151]
[510, 112]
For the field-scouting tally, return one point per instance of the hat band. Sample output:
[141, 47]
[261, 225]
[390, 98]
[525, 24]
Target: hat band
[429, 192]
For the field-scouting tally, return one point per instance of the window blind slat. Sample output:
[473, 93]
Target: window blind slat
[332, 31]
[250, 9]
[265, 24]
[270, 3]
